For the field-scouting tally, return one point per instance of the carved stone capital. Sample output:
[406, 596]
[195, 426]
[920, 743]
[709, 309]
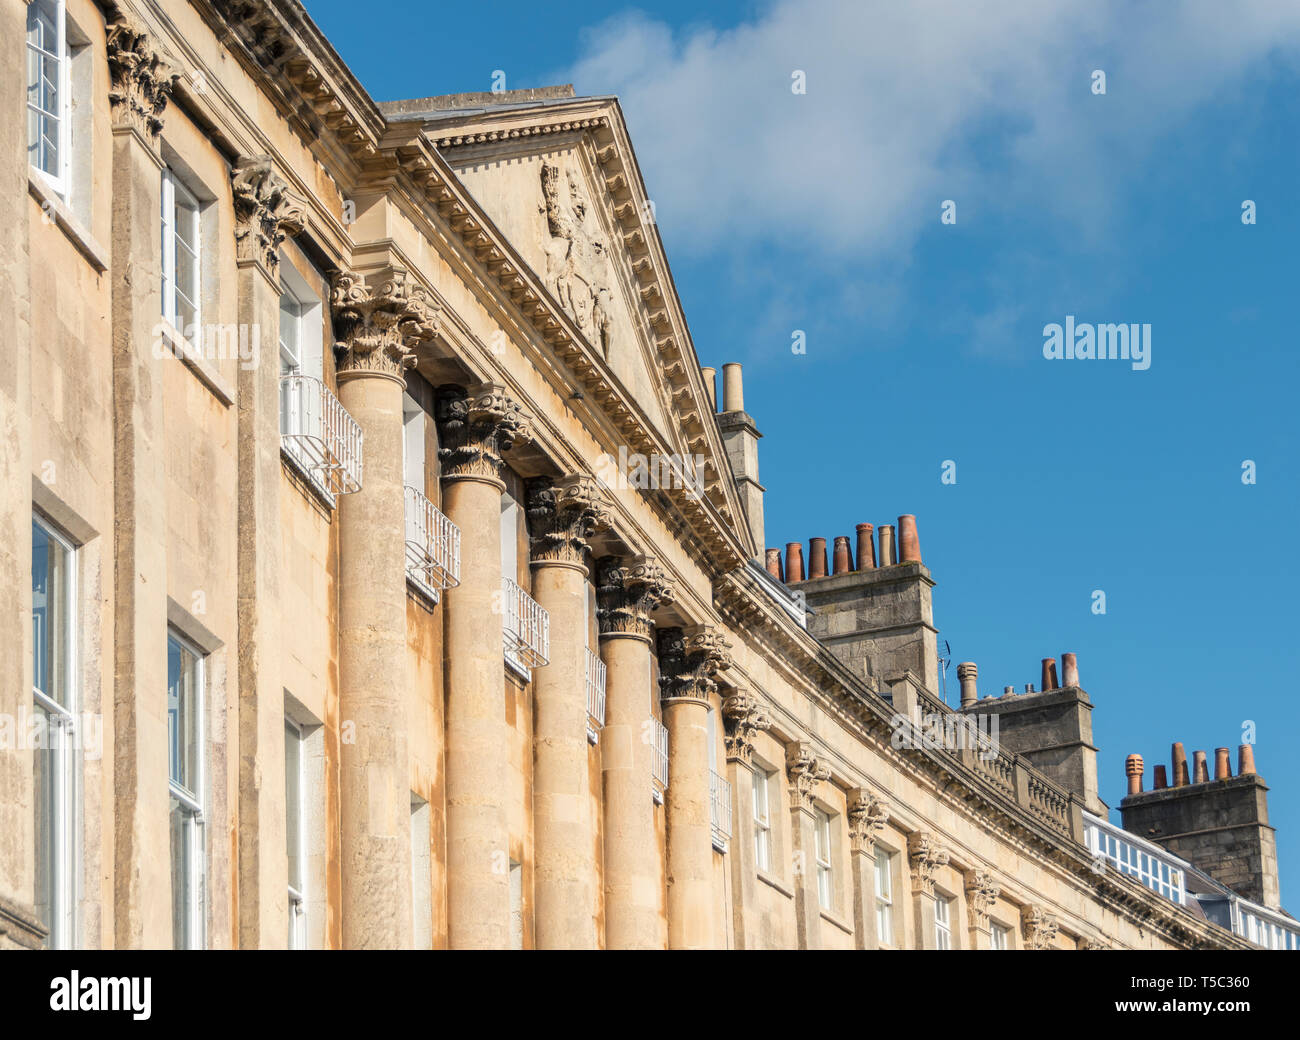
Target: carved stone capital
[562, 515]
[689, 661]
[804, 771]
[1093, 943]
[476, 426]
[926, 856]
[266, 212]
[628, 589]
[867, 818]
[140, 79]
[1039, 927]
[743, 717]
[378, 322]
[982, 891]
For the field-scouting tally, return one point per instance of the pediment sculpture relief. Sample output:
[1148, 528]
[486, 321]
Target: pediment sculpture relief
[577, 256]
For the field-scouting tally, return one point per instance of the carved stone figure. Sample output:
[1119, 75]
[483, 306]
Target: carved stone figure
[577, 257]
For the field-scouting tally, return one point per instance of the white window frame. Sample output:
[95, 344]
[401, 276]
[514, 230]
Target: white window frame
[884, 897]
[761, 809]
[823, 854]
[172, 190]
[59, 180]
[999, 936]
[297, 932]
[192, 804]
[942, 922]
[61, 739]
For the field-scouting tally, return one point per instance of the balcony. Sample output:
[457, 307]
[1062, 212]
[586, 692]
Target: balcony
[658, 760]
[595, 695]
[526, 627]
[719, 810]
[319, 435]
[432, 546]
[1152, 865]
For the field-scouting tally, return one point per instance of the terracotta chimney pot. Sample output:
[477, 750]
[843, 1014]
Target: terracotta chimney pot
[1222, 764]
[1049, 674]
[816, 558]
[1161, 779]
[1200, 771]
[774, 564]
[909, 545]
[888, 557]
[1245, 760]
[1069, 670]
[866, 547]
[842, 563]
[793, 562]
[967, 673]
[1180, 765]
[1133, 768]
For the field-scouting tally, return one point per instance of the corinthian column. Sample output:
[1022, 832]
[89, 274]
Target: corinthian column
[627, 591]
[141, 84]
[805, 772]
[265, 213]
[475, 427]
[926, 856]
[743, 718]
[377, 325]
[688, 661]
[562, 515]
[982, 891]
[867, 818]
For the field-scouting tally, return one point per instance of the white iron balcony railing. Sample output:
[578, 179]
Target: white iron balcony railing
[319, 434]
[658, 759]
[719, 810]
[1142, 860]
[432, 545]
[595, 694]
[526, 626]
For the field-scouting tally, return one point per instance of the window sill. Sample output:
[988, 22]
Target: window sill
[59, 214]
[196, 363]
[837, 921]
[775, 882]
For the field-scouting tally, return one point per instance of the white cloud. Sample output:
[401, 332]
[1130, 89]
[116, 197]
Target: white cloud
[910, 102]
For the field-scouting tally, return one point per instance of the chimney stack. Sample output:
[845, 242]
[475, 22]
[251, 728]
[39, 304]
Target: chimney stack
[1069, 670]
[816, 558]
[887, 556]
[1222, 764]
[1245, 760]
[866, 547]
[967, 673]
[793, 562]
[774, 564]
[740, 439]
[1049, 674]
[1200, 773]
[710, 376]
[1133, 767]
[1180, 765]
[843, 561]
[1162, 781]
[909, 544]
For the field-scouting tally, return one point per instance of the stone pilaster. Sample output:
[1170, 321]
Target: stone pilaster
[265, 213]
[926, 856]
[562, 515]
[628, 590]
[140, 85]
[982, 890]
[1038, 926]
[18, 925]
[476, 425]
[743, 717]
[689, 659]
[377, 324]
[804, 772]
[868, 815]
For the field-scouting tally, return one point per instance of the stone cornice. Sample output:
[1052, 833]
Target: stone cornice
[868, 816]
[266, 212]
[562, 514]
[379, 321]
[141, 79]
[743, 717]
[476, 426]
[689, 661]
[804, 771]
[628, 589]
[926, 855]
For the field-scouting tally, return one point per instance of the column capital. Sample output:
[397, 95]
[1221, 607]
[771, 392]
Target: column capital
[1039, 927]
[927, 856]
[378, 321]
[805, 771]
[743, 717]
[982, 890]
[141, 80]
[266, 212]
[627, 590]
[476, 426]
[689, 661]
[868, 815]
[563, 512]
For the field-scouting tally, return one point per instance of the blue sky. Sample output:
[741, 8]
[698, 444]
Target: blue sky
[821, 211]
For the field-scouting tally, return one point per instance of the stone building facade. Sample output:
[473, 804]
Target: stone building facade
[396, 578]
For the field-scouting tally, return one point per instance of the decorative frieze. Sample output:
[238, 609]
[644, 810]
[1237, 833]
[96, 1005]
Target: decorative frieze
[926, 856]
[868, 815]
[1039, 927]
[743, 717]
[804, 771]
[140, 79]
[476, 426]
[628, 589]
[266, 212]
[689, 661]
[562, 515]
[982, 891]
[378, 322]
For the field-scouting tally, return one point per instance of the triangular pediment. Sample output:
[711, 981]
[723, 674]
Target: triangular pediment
[558, 178]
